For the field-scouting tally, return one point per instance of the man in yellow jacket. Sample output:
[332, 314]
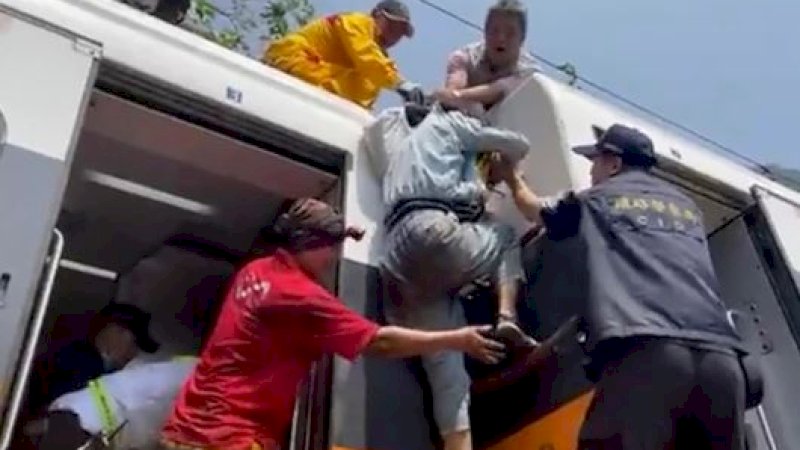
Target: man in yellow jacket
[346, 54]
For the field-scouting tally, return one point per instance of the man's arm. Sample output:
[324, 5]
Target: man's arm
[511, 145]
[528, 203]
[339, 330]
[457, 90]
[561, 217]
[457, 71]
[456, 86]
[355, 32]
[398, 342]
[485, 94]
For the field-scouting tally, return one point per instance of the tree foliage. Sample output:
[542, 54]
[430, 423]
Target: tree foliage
[246, 25]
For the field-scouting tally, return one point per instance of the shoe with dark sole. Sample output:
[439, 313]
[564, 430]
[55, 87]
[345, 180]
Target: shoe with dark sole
[512, 335]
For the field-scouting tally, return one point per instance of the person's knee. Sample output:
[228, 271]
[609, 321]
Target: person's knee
[447, 376]
[451, 415]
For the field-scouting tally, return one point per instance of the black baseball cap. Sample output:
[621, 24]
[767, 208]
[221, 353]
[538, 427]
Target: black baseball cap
[397, 11]
[133, 318]
[630, 144]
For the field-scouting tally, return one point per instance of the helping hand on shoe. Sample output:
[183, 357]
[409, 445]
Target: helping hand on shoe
[475, 343]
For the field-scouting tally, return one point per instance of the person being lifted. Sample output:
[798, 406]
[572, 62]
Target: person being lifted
[346, 54]
[438, 240]
[277, 320]
[481, 74]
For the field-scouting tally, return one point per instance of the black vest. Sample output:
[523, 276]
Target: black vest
[640, 263]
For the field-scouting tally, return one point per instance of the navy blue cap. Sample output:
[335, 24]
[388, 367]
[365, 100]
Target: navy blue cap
[633, 146]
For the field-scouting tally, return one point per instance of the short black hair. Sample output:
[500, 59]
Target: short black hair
[513, 8]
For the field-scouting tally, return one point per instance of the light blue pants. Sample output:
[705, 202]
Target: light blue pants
[430, 254]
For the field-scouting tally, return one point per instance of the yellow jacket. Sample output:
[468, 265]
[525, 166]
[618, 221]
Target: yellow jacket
[337, 53]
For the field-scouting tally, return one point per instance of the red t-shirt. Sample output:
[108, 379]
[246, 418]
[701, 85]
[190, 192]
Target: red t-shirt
[276, 321]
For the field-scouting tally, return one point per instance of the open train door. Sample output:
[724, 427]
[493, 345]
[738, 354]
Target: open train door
[47, 74]
[775, 229]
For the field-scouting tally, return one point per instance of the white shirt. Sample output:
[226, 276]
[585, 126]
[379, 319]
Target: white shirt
[142, 395]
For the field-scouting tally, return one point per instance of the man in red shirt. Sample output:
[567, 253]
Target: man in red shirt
[276, 320]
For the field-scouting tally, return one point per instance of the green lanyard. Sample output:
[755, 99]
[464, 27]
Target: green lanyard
[102, 401]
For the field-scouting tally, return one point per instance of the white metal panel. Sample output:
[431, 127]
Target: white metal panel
[43, 94]
[154, 134]
[746, 287]
[578, 111]
[784, 219]
[364, 207]
[531, 110]
[43, 122]
[131, 38]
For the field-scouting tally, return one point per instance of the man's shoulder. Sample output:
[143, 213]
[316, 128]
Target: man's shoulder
[273, 274]
[355, 17]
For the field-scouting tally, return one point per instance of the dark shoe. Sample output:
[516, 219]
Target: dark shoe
[509, 333]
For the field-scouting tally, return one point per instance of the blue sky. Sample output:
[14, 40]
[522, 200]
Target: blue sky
[727, 68]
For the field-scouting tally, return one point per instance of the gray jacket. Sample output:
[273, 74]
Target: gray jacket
[437, 160]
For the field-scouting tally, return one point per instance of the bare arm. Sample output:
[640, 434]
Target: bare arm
[398, 342]
[485, 94]
[560, 216]
[457, 76]
[528, 203]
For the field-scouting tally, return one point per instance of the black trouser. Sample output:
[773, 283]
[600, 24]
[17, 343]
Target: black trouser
[63, 432]
[656, 394]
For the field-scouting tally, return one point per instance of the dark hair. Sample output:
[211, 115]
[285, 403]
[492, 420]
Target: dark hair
[641, 162]
[513, 8]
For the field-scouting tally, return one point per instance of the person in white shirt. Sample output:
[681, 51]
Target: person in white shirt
[127, 407]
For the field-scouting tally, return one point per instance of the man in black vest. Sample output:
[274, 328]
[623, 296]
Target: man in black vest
[663, 355]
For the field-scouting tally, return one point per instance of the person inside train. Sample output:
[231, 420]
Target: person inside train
[480, 74]
[117, 334]
[123, 410]
[347, 53]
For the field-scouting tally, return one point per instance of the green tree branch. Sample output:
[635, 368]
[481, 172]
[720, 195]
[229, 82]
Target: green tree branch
[246, 25]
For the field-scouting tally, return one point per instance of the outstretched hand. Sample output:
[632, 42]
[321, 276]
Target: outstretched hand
[357, 233]
[476, 343]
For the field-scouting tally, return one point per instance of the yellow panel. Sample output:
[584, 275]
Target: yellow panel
[555, 431]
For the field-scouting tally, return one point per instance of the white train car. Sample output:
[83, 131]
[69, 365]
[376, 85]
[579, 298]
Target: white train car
[140, 161]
